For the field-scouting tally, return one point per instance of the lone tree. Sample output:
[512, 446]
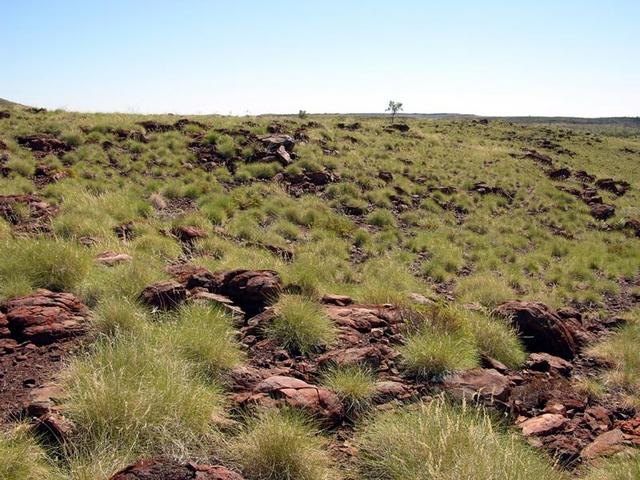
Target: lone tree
[394, 108]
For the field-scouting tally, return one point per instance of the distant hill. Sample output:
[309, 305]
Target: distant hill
[8, 104]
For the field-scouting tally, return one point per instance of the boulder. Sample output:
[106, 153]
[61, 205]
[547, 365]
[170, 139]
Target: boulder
[608, 443]
[164, 295]
[252, 290]
[602, 211]
[45, 317]
[478, 383]
[544, 362]
[541, 329]
[297, 393]
[544, 424]
[162, 468]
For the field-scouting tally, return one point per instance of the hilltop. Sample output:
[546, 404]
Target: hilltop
[318, 298]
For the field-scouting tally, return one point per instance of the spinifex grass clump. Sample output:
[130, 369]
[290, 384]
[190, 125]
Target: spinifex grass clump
[135, 394]
[433, 353]
[281, 445]
[355, 385]
[204, 335]
[621, 350]
[41, 263]
[438, 441]
[22, 459]
[301, 324]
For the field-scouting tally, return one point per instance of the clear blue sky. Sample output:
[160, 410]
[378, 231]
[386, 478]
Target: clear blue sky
[491, 57]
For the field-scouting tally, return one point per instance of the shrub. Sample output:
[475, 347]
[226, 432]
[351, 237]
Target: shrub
[433, 353]
[41, 263]
[281, 445]
[301, 324]
[134, 394]
[438, 441]
[354, 384]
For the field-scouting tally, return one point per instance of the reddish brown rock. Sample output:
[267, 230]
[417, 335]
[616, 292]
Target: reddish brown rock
[618, 187]
[164, 295]
[543, 425]
[43, 145]
[478, 383]
[296, 393]
[544, 362]
[111, 259]
[38, 215]
[252, 290]
[608, 443]
[45, 317]
[162, 468]
[602, 211]
[541, 329]
[188, 233]
[559, 174]
[339, 300]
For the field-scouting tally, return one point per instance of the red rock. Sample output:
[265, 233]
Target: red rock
[111, 259]
[543, 424]
[608, 443]
[297, 393]
[252, 290]
[55, 426]
[372, 355]
[42, 145]
[45, 317]
[544, 362]
[188, 233]
[340, 300]
[4, 326]
[602, 211]
[478, 383]
[43, 400]
[619, 187]
[164, 295]
[162, 468]
[541, 329]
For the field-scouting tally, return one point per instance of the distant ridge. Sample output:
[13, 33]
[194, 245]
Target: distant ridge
[8, 104]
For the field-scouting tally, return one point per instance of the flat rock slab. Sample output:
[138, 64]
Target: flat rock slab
[167, 469]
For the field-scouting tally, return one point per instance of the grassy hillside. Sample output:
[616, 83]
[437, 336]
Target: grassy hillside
[467, 214]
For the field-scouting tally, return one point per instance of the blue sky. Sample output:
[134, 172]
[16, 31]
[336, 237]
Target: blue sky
[495, 57]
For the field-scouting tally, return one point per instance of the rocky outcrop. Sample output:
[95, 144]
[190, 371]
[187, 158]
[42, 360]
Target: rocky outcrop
[162, 468]
[542, 329]
[284, 390]
[42, 145]
[44, 317]
[164, 295]
[27, 213]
